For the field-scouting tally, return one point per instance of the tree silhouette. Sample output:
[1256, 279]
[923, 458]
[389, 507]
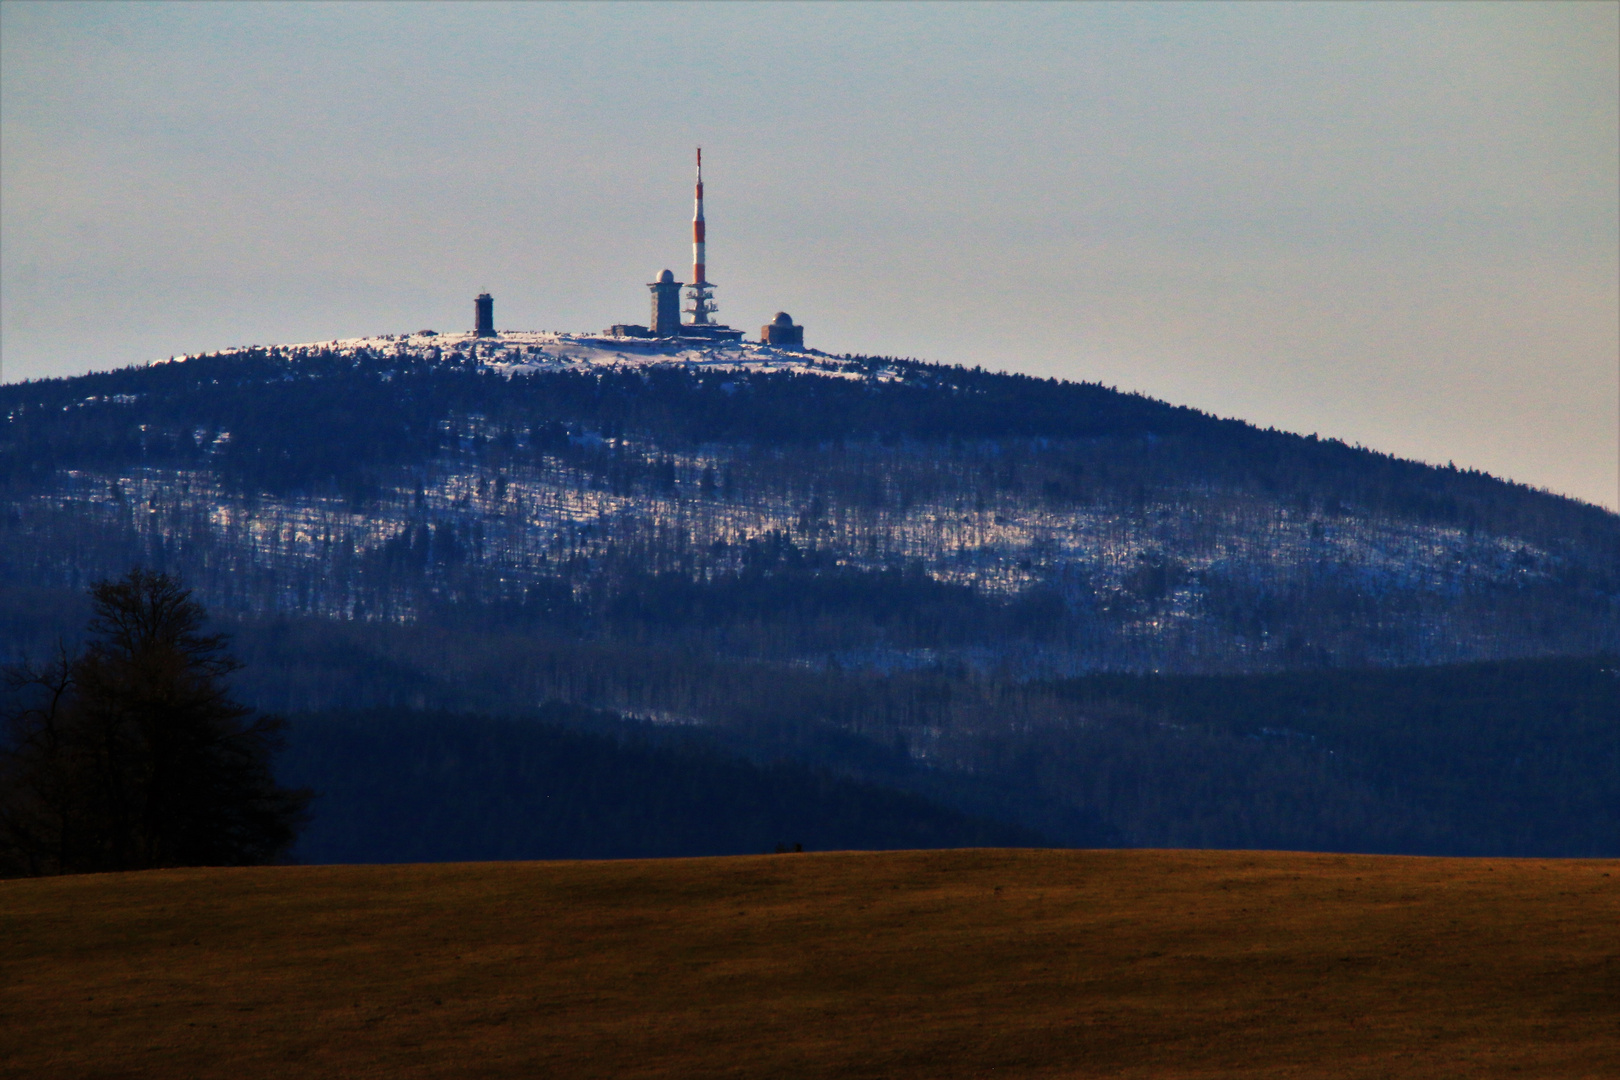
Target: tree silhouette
[132, 754]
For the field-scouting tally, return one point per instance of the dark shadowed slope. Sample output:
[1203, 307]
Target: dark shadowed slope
[437, 787]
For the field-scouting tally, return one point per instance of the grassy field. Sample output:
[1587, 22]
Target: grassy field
[910, 964]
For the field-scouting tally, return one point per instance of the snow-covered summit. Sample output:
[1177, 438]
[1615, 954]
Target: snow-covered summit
[515, 352]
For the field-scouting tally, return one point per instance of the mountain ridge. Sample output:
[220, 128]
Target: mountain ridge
[515, 353]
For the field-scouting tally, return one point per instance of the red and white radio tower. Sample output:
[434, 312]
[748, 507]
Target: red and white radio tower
[699, 292]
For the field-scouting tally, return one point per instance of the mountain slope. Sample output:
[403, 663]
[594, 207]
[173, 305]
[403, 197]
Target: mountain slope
[835, 510]
[441, 787]
[886, 570]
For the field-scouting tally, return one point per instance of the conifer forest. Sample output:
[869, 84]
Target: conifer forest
[1042, 612]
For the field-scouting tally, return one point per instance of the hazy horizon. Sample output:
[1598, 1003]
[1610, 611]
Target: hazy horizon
[1397, 225]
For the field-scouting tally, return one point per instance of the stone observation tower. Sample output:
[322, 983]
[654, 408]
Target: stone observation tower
[666, 306]
[485, 315]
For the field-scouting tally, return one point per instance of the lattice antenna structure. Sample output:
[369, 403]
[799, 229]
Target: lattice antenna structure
[700, 293]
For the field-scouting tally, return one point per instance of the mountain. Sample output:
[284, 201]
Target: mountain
[889, 569]
[848, 511]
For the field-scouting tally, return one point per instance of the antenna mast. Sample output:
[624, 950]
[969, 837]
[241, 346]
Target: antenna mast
[700, 291]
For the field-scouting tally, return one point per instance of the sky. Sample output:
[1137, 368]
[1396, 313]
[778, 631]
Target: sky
[1393, 224]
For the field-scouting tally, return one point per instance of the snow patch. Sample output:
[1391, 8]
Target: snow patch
[515, 352]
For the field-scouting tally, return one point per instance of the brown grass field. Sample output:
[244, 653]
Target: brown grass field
[903, 964]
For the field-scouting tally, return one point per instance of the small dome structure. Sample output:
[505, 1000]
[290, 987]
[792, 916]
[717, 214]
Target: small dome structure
[780, 331]
[666, 277]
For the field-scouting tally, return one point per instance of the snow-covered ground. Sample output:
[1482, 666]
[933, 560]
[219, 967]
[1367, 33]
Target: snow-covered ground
[515, 351]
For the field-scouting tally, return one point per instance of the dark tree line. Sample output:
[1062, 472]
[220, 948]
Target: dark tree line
[564, 782]
[1500, 758]
[1497, 758]
[132, 754]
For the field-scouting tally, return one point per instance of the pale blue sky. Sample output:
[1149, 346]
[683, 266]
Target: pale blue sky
[1395, 224]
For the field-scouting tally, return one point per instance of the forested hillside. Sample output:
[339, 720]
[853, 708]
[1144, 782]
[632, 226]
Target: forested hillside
[1514, 758]
[1085, 614]
[875, 514]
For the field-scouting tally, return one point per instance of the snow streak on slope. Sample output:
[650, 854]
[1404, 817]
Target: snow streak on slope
[490, 535]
